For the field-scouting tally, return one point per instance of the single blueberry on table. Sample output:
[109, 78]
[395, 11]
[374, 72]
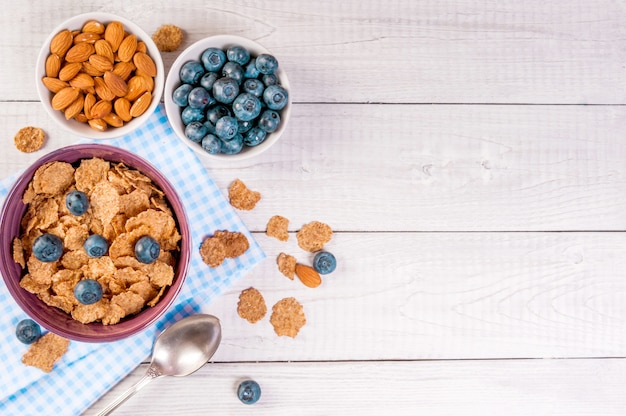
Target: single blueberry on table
[195, 131]
[246, 107]
[249, 392]
[269, 121]
[190, 114]
[254, 137]
[254, 87]
[233, 70]
[180, 96]
[250, 70]
[76, 202]
[226, 127]
[324, 262]
[213, 59]
[88, 291]
[27, 331]
[211, 144]
[225, 90]
[96, 246]
[270, 79]
[275, 97]
[238, 54]
[147, 249]
[216, 112]
[48, 248]
[191, 72]
[266, 64]
[208, 80]
[200, 98]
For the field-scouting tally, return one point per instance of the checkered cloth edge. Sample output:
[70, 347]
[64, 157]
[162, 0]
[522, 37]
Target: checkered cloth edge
[87, 371]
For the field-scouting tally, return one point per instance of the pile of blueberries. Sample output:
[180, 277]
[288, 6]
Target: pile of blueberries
[230, 99]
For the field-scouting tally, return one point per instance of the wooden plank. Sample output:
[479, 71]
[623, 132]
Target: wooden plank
[510, 387]
[422, 168]
[401, 51]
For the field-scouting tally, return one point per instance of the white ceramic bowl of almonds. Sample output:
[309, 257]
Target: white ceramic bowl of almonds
[103, 90]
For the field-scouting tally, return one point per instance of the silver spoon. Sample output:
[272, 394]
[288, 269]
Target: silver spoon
[179, 351]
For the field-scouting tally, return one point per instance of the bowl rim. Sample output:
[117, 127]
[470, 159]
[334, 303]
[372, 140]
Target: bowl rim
[172, 111]
[82, 129]
[47, 316]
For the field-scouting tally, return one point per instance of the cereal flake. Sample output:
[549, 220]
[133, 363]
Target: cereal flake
[168, 38]
[29, 139]
[286, 265]
[313, 236]
[46, 351]
[212, 251]
[241, 197]
[251, 305]
[287, 317]
[277, 227]
[235, 243]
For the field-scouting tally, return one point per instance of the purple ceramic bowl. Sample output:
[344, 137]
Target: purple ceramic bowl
[51, 318]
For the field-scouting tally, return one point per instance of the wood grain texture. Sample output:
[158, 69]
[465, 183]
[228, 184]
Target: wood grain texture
[513, 388]
[554, 51]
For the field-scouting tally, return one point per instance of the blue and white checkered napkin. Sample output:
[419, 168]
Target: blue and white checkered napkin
[87, 370]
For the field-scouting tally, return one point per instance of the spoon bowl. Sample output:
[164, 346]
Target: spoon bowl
[180, 350]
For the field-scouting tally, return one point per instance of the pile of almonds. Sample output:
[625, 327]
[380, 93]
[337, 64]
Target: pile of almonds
[99, 75]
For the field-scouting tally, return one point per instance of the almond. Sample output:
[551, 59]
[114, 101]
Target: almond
[101, 109]
[136, 87]
[93, 26]
[113, 120]
[69, 71]
[61, 43]
[145, 64]
[79, 52]
[64, 98]
[89, 69]
[103, 48]
[124, 69]
[308, 275]
[101, 63]
[141, 105]
[148, 82]
[127, 48]
[103, 90]
[54, 84]
[98, 124]
[87, 37]
[114, 34]
[141, 47]
[75, 108]
[90, 100]
[53, 65]
[81, 118]
[115, 83]
[82, 81]
[122, 109]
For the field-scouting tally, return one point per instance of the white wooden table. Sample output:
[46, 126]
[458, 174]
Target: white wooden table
[470, 157]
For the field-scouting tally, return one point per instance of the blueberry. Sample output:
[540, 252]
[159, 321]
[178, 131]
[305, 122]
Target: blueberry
[269, 120]
[213, 59]
[250, 70]
[191, 72]
[270, 79]
[244, 126]
[233, 70]
[76, 202]
[246, 107]
[48, 248]
[208, 80]
[210, 127]
[249, 392]
[190, 114]
[254, 87]
[226, 127]
[324, 262]
[96, 246]
[147, 249]
[195, 131]
[275, 97]
[225, 90]
[238, 54]
[266, 64]
[216, 112]
[88, 291]
[211, 144]
[233, 145]
[27, 331]
[180, 95]
[254, 137]
[200, 98]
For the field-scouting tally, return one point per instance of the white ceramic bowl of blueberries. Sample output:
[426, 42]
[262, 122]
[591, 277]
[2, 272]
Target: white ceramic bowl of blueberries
[227, 98]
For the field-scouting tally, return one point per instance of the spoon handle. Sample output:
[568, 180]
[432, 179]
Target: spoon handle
[150, 375]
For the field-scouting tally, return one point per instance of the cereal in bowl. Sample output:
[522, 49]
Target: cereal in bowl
[83, 239]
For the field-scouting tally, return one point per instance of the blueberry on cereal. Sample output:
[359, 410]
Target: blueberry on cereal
[48, 248]
[147, 249]
[96, 246]
[27, 331]
[76, 202]
[88, 291]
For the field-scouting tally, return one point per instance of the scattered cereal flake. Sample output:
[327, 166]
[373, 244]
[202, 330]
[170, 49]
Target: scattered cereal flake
[286, 265]
[91, 313]
[46, 351]
[287, 317]
[277, 227]
[53, 178]
[212, 251]
[251, 306]
[241, 197]
[105, 202]
[18, 252]
[90, 172]
[168, 38]
[235, 243]
[314, 235]
[29, 139]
